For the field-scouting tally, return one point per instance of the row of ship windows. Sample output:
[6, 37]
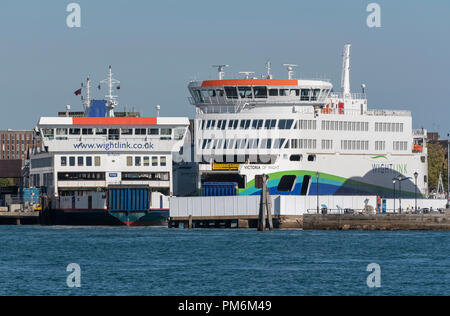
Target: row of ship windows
[145, 161]
[299, 124]
[112, 133]
[389, 127]
[101, 176]
[258, 93]
[80, 161]
[257, 124]
[279, 143]
[96, 161]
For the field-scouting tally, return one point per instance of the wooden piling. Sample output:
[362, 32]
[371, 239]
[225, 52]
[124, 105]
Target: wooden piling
[190, 222]
[265, 205]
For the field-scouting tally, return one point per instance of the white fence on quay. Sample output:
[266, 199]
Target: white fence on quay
[241, 206]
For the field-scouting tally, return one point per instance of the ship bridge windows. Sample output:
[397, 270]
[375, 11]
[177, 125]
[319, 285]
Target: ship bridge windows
[304, 95]
[74, 131]
[315, 94]
[87, 131]
[260, 92]
[153, 131]
[231, 92]
[126, 131]
[101, 131]
[140, 131]
[61, 133]
[273, 92]
[245, 92]
[284, 92]
[114, 134]
[295, 92]
[48, 133]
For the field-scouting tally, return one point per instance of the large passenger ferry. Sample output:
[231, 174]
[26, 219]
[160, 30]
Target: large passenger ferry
[98, 168]
[308, 138]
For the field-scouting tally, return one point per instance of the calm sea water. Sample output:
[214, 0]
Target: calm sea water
[160, 261]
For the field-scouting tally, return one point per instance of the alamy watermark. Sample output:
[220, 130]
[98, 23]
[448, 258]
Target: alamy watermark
[374, 18]
[74, 278]
[74, 17]
[374, 278]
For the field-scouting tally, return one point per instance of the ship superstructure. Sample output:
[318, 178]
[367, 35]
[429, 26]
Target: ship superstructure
[107, 170]
[309, 139]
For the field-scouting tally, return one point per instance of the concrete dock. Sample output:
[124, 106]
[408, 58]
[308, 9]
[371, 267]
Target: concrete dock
[377, 222]
[293, 212]
[19, 218]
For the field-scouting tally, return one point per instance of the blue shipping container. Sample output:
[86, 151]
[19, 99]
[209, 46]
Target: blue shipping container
[128, 199]
[219, 189]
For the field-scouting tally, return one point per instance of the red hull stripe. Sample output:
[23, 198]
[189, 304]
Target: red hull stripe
[250, 82]
[114, 121]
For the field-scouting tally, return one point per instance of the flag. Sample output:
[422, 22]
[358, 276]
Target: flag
[118, 87]
[78, 92]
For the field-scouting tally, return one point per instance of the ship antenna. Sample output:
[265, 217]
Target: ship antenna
[221, 69]
[290, 68]
[269, 69]
[87, 102]
[246, 73]
[345, 81]
[112, 99]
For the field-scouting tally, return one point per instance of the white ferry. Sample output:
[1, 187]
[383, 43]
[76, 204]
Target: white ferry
[309, 139]
[107, 170]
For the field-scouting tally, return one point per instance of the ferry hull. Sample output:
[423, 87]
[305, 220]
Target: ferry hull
[104, 218]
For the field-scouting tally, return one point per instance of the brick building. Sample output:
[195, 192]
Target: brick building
[17, 145]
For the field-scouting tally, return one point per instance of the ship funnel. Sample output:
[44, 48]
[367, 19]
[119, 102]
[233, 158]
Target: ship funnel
[345, 81]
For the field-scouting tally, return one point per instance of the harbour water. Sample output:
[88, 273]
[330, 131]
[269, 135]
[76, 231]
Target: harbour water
[161, 261]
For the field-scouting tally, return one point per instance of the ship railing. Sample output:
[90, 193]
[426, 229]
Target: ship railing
[257, 101]
[353, 96]
[419, 133]
[388, 113]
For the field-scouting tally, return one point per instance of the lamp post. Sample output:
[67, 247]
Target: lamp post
[415, 189]
[448, 172]
[317, 182]
[394, 181]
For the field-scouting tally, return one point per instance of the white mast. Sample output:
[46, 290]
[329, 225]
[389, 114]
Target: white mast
[290, 68]
[87, 102]
[221, 68]
[112, 102]
[269, 69]
[345, 81]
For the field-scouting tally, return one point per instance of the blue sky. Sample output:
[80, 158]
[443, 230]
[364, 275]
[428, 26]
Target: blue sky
[156, 47]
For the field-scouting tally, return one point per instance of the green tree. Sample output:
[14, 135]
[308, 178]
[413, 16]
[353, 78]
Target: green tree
[437, 163]
[4, 182]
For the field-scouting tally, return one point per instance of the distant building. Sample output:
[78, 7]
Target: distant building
[18, 145]
[433, 137]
